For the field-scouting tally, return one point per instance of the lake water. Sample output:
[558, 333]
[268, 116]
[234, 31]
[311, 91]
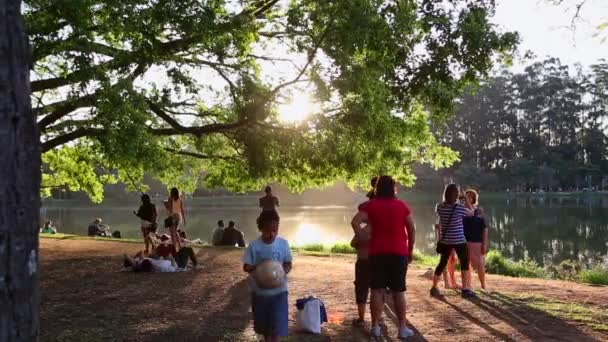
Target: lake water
[546, 229]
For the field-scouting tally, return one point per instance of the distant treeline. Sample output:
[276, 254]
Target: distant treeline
[543, 128]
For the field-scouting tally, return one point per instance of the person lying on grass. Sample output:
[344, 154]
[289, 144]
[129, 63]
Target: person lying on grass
[139, 263]
[166, 250]
[164, 259]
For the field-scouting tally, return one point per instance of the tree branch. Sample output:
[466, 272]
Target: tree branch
[63, 108]
[311, 57]
[66, 138]
[198, 155]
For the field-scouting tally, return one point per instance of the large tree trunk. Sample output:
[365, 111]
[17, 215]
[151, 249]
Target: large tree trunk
[19, 183]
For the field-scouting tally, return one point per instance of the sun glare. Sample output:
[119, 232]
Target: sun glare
[298, 108]
[308, 233]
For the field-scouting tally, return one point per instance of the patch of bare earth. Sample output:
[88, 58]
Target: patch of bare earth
[86, 297]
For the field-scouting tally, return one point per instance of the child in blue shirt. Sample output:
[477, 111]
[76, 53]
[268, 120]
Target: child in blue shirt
[270, 306]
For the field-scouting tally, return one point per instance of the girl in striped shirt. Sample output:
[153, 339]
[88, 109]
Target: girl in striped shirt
[451, 238]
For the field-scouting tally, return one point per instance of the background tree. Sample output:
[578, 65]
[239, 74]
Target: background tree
[20, 185]
[543, 128]
[184, 89]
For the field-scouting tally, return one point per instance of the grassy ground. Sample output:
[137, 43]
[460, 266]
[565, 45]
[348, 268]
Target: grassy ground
[496, 263]
[86, 297]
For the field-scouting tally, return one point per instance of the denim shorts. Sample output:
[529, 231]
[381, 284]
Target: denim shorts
[271, 315]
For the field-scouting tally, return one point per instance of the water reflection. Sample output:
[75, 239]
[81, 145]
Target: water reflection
[547, 230]
[310, 233]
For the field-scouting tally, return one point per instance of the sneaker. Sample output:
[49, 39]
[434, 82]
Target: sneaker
[405, 332]
[435, 293]
[376, 331]
[466, 293]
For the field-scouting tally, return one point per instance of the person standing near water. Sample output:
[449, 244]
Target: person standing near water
[175, 207]
[147, 214]
[476, 233]
[393, 234]
[362, 269]
[451, 237]
[269, 201]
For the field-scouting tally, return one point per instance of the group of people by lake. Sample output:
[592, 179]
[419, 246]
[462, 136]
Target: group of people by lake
[384, 238]
[385, 235]
[175, 223]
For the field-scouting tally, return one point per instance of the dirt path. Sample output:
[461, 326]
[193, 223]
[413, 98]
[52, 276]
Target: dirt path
[85, 297]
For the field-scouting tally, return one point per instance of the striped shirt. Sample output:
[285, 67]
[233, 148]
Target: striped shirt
[452, 230]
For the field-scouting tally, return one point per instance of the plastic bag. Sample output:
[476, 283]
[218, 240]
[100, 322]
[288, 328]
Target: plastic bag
[308, 319]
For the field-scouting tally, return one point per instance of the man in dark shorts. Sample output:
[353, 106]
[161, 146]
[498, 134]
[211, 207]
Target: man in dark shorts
[390, 247]
[232, 236]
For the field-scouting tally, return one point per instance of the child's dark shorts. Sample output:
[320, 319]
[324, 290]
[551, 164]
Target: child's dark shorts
[362, 280]
[271, 314]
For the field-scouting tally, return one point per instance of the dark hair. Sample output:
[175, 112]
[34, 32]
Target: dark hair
[145, 198]
[385, 187]
[266, 217]
[174, 194]
[220, 223]
[451, 192]
[268, 189]
[372, 193]
[164, 237]
[146, 266]
[373, 182]
[182, 233]
[231, 224]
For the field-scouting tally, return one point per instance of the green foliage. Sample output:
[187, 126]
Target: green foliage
[595, 276]
[77, 168]
[425, 259]
[496, 263]
[566, 270]
[342, 248]
[313, 247]
[188, 91]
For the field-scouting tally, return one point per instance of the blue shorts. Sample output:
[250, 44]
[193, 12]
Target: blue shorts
[271, 315]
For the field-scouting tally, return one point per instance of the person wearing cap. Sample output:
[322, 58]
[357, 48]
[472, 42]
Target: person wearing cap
[167, 251]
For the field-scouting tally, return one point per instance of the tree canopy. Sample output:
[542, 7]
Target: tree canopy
[190, 90]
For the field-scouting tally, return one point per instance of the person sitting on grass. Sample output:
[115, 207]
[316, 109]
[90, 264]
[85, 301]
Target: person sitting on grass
[166, 250]
[270, 305]
[183, 238]
[96, 228]
[216, 237]
[232, 236]
[48, 228]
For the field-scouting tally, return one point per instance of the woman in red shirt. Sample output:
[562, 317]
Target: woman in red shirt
[393, 233]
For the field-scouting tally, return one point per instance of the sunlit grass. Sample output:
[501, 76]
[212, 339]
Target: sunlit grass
[595, 276]
[594, 317]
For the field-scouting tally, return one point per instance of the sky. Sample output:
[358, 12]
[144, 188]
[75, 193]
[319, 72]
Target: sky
[545, 28]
